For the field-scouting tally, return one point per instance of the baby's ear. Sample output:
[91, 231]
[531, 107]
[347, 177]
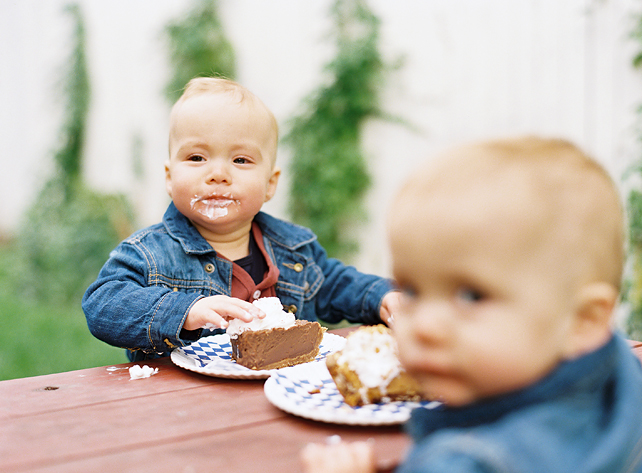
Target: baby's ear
[593, 318]
[272, 183]
[168, 178]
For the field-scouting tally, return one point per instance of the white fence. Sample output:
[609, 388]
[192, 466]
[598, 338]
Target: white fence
[473, 69]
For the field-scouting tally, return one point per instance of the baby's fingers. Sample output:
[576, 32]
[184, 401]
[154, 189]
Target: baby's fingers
[215, 311]
[240, 309]
[355, 457]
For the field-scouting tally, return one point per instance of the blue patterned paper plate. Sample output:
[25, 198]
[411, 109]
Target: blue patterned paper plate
[308, 391]
[212, 356]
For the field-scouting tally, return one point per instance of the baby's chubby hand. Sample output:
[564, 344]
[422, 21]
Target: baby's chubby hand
[389, 307]
[339, 457]
[215, 311]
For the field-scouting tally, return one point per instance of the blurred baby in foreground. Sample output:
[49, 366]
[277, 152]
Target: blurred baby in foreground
[509, 255]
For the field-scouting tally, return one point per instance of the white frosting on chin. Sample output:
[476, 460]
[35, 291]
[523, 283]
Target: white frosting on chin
[373, 357]
[275, 317]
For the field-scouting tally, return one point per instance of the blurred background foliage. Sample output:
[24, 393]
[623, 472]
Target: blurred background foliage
[328, 164]
[632, 293]
[69, 230]
[198, 47]
[66, 235]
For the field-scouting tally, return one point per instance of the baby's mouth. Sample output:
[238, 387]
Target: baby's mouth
[212, 206]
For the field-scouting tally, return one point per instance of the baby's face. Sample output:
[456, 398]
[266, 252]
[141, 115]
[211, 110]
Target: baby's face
[483, 312]
[220, 170]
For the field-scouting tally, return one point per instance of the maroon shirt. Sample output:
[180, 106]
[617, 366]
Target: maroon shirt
[243, 286]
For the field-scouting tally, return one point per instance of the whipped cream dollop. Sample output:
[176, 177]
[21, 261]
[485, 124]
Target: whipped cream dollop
[275, 317]
[141, 372]
[372, 355]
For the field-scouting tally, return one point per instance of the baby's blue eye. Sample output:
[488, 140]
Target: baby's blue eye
[407, 291]
[241, 160]
[468, 294]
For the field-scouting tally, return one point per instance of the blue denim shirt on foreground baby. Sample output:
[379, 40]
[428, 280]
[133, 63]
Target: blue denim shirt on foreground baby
[584, 417]
[152, 279]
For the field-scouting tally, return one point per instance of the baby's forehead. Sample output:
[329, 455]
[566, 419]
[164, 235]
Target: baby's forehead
[248, 103]
[564, 193]
[474, 187]
[228, 102]
[483, 169]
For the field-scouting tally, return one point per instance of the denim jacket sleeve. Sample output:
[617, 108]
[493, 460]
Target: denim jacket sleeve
[127, 306]
[316, 286]
[345, 293]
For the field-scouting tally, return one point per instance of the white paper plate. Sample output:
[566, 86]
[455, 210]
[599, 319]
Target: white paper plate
[308, 391]
[212, 356]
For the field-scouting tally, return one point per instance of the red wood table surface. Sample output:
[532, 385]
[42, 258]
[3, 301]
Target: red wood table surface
[99, 420]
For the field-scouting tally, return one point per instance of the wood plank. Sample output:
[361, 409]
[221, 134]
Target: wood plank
[273, 446]
[40, 394]
[144, 420]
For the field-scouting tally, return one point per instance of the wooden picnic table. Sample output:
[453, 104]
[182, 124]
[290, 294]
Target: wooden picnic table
[98, 419]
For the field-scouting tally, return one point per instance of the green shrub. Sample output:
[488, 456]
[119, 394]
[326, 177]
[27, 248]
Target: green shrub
[198, 48]
[328, 165]
[65, 241]
[632, 293]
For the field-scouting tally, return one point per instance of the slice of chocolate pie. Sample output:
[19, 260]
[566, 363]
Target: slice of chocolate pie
[276, 341]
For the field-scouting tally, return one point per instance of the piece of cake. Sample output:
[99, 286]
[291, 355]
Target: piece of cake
[277, 341]
[368, 371]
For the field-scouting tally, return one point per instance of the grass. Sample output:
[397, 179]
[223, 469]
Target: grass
[40, 338]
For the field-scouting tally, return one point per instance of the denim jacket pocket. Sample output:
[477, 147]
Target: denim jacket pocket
[206, 287]
[303, 278]
[299, 282]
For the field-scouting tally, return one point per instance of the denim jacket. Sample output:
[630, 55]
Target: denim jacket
[585, 417]
[152, 279]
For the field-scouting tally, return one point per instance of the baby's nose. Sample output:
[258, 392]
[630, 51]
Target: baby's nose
[218, 172]
[434, 325]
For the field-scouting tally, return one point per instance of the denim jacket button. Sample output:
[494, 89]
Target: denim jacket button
[209, 268]
[292, 309]
[298, 267]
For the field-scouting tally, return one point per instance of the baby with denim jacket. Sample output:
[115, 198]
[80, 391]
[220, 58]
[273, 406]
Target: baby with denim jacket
[215, 251]
[509, 256]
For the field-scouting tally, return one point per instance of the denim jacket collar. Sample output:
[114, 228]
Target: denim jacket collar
[182, 230]
[588, 373]
[289, 235]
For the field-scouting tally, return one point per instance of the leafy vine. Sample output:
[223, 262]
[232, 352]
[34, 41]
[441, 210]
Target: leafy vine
[328, 169]
[633, 287]
[198, 47]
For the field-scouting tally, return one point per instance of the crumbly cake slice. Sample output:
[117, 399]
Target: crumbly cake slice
[368, 371]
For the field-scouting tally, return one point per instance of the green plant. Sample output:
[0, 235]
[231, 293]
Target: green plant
[41, 338]
[198, 47]
[633, 286]
[328, 167]
[66, 240]
[69, 229]
[76, 93]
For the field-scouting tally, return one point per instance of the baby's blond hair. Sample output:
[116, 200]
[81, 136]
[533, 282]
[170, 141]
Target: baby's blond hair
[234, 90]
[573, 195]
